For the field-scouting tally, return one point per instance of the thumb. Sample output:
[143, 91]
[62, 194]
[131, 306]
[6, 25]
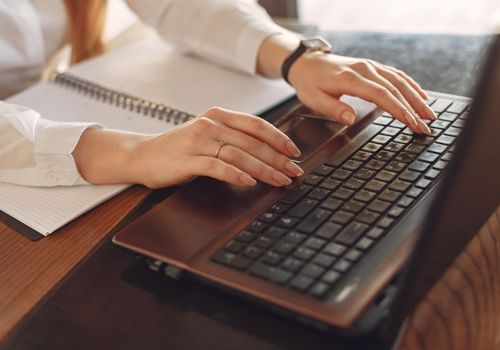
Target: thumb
[333, 109]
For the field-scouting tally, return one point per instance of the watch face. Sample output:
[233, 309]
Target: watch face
[316, 44]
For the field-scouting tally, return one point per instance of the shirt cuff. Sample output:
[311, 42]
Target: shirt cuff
[250, 40]
[53, 146]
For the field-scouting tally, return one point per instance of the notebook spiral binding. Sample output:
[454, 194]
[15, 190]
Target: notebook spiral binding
[121, 99]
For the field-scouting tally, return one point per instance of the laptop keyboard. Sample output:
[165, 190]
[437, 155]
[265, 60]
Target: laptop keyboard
[329, 221]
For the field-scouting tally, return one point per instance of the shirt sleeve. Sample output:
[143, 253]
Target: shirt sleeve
[227, 32]
[36, 151]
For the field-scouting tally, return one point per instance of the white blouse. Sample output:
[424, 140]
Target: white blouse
[37, 152]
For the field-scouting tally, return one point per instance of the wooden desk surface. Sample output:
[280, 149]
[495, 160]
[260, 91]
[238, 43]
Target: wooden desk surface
[30, 270]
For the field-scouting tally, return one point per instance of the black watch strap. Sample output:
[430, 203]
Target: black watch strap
[314, 44]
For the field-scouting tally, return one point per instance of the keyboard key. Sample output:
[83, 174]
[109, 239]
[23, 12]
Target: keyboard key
[313, 179]
[296, 193]
[318, 193]
[351, 165]
[272, 258]
[440, 165]
[354, 183]
[375, 186]
[294, 237]
[234, 246]
[390, 131]
[364, 195]
[399, 185]
[449, 117]
[371, 147]
[389, 195]
[440, 124]
[440, 105]
[312, 270]
[315, 243]
[397, 124]
[313, 220]
[404, 138]
[323, 170]
[330, 184]
[452, 131]
[280, 208]
[428, 157]
[409, 175]
[331, 203]
[351, 233]
[414, 148]
[385, 176]
[246, 236]
[437, 148]
[368, 217]
[341, 174]
[414, 192]
[406, 157]
[364, 243]
[303, 208]
[394, 146]
[375, 164]
[275, 232]
[362, 156]
[286, 221]
[324, 260]
[284, 247]
[334, 249]
[385, 222]
[268, 217]
[382, 139]
[425, 140]
[341, 217]
[395, 166]
[405, 201]
[304, 253]
[457, 107]
[364, 174]
[342, 265]
[447, 156]
[231, 259]
[301, 283]
[423, 183]
[432, 174]
[445, 139]
[328, 230]
[378, 206]
[353, 206]
[353, 255]
[319, 290]
[331, 277]
[271, 273]
[384, 155]
[382, 120]
[343, 193]
[253, 252]
[395, 211]
[418, 166]
[292, 264]
[459, 123]
[375, 233]
[257, 226]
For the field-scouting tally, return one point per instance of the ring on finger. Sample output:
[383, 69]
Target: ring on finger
[222, 143]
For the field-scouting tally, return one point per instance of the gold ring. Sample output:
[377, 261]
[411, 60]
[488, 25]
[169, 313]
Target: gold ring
[222, 143]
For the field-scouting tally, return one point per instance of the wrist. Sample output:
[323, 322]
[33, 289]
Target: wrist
[273, 52]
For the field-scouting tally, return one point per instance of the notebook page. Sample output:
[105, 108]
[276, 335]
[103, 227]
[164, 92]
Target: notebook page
[47, 209]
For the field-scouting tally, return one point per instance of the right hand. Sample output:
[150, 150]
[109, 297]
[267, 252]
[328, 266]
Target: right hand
[254, 150]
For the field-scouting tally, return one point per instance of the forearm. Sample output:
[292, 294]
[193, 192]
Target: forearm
[107, 156]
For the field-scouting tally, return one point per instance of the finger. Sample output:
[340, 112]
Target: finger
[353, 84]
[331, 108]
[253, 166]
[256, 127]
[220, 170]
[410, 94]
[256, 148]
[410, 81]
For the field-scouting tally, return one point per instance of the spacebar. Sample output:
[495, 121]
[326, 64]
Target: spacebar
[352, 146]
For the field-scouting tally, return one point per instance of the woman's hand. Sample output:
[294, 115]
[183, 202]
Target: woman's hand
[253, 149]
[321, 79]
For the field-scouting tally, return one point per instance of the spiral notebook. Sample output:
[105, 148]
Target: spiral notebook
[69, 97]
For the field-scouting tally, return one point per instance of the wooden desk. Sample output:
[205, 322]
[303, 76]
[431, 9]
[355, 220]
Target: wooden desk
[30, 270]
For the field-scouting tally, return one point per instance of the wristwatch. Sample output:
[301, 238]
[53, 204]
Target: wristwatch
[306, 45]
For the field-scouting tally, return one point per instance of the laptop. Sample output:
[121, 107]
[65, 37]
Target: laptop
[357, 242]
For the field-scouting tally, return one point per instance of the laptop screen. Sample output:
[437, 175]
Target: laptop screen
[469, 194]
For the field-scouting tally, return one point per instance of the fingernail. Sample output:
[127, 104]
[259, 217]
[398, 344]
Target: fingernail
[430, 113]
[411, 119]
[292, 149]
[348, 117]
[247, 180]
[423, 127]
[281, 178]
[294, 168]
